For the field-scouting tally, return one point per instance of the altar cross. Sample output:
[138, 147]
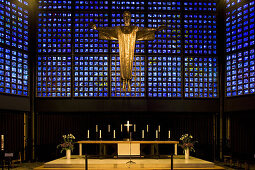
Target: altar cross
[128, 125]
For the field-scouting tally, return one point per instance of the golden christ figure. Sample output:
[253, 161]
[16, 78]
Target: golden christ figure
[127, 36]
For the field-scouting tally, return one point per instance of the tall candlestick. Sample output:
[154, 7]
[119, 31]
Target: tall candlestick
[169, 134]
[109, 128]
[88, 134]
[2, 142]
[96, 128]
[121, 128]
[114, 134]
[156, 134]
[100, 134]
[159, 128]
[147, 128]
[142, 134]
[134, 127]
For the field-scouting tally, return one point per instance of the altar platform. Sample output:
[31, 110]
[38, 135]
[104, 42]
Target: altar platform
[78, 163]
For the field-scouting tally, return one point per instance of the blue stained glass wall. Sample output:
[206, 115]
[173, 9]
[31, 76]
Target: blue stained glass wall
[91, 5]
[201, 77]
[86, 39]
[54, 76]
[54, 32]
[158, 5]
[91, 76]
[157, 70]
[166, 41]
[240, 38]
[164, 76]
[14, 47]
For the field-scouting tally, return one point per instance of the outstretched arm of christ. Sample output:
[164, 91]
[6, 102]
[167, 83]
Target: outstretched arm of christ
[105, 33]
[148, 33]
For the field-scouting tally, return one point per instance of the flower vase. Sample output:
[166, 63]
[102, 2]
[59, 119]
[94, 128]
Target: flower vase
[68, 154]
[186, 153]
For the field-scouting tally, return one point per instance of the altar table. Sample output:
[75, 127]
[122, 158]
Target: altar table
[175, 143]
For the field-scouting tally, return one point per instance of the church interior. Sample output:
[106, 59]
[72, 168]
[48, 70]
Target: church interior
[195, 76]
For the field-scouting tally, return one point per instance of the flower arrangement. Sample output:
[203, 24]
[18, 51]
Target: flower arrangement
[68, 143]
[187, 141]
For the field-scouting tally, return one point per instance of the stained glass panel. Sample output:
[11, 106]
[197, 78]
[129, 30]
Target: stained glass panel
[53, 76]
[86, 39]
[164, 76]
[200, 77]
[166, 41]
[91, 76]
[54, 32]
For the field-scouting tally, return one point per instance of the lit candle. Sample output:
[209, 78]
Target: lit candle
[109, 128]
[134, 127]
[100, 134]
[96, 128]
[121, 127]
[147, 128]
[142, 134]
[88, 134]
[156, 134]
[114, 134]
[2, 142]
[169, 134]
[159, 128]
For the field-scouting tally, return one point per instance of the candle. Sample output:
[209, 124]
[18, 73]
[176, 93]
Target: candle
[114, 134]
[134, 127]
[100, 134]
[147, 128]
[109, 128]
[156, 134]
[88, 134]
[96, 128]
[159, 128]
[2, 142]
[169, 134]
[142, 134]
[121, 127]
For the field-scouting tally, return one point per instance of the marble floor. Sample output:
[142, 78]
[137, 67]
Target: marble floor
[78, 162]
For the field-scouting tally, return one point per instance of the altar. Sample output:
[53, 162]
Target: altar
[128, 148]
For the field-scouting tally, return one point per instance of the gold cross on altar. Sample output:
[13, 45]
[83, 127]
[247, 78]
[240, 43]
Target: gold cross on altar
[128, 125]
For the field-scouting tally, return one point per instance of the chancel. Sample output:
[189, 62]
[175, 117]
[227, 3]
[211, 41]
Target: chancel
[127, 84]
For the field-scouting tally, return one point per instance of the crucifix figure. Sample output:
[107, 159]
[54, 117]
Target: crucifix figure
[127, 36]
[128, 126]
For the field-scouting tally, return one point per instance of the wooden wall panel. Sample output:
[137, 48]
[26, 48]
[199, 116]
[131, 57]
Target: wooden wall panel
[12, 126]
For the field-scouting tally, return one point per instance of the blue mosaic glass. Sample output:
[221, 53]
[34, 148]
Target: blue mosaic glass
[159, 5]
[240, 73]
[201, 6]
[86, 39]
[200, 77]
[91, 5]
[166, 41]
[200, 34]
[240, 26]
[13, 72]
[54, 32]
[128, 5]
[164, 76]
[55, 4]
[14, 78]
[91, 76]
[137, 82]
[53, 76]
